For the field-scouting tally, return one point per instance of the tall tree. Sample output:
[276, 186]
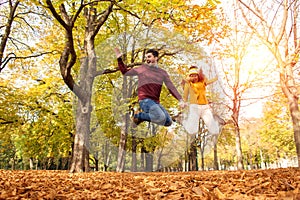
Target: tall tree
[277, 27]
[95, 14]
[241, 77]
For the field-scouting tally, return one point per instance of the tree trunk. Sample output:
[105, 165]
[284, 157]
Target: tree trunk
[238, 147]
[80, 158]
[31, 164]
[262, 160]
[193, 165]
[216, 164]
[96, 164]
[80, 155]
[124, 130]
[150, 153]
[202, 154]
[149, 161]
[106, 155]
[294, 110]
[122, 151]
[134, 159]
[122, 145]
[202, 161]
[13, 164]
[159, 157]
[143, 155]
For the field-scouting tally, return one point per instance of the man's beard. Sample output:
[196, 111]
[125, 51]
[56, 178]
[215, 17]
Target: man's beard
[151, 64]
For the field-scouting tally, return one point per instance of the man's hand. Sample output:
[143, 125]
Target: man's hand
[118, 53]
[182, 104]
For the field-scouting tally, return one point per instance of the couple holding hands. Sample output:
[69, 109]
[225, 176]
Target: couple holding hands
[150, 80]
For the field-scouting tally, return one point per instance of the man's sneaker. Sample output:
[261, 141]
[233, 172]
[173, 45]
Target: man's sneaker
[136, 120]
[177, 118]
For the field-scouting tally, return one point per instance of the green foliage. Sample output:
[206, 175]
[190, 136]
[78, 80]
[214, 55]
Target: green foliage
[277, 131]
[40, 121]
[10, 121]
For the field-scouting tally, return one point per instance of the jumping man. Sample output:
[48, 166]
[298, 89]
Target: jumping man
[150, 80]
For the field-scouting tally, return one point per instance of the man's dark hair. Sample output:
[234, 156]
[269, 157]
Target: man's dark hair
[153, 51]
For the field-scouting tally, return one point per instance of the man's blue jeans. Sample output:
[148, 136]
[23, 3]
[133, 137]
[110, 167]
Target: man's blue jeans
[153, 112]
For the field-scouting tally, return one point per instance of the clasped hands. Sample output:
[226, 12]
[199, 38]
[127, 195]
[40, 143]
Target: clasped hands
[182, 104]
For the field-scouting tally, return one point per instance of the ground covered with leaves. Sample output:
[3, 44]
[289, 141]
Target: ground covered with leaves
[252, 184]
